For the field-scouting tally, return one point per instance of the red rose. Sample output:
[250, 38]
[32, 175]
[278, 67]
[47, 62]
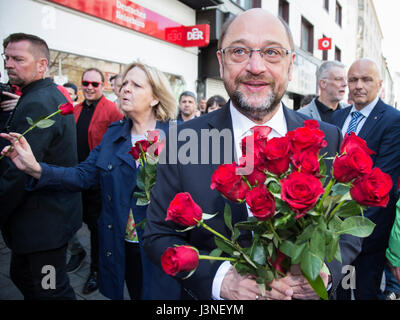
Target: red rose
[307, 138]
[261, 202]
[352, 141]
[257, 177]
[153, 136]
[277, 264]
[352, 164]
[179, 259]
[301, 191]
[183, 210]
[156, 148]
[66, 108]
[372, 189]
[306, 162]
[228, 183]
[140, 146]
[277, 155]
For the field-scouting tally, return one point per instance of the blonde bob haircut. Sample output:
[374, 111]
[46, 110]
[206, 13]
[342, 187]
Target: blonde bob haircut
[166, 108]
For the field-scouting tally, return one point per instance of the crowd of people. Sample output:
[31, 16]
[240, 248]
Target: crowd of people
[79, 168]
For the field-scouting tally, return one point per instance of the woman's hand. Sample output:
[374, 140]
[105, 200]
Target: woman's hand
[21, 154]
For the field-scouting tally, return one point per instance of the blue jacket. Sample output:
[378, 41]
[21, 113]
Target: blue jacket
[110, 165]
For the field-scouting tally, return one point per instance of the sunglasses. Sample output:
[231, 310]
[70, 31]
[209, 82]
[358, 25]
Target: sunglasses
[95, 84]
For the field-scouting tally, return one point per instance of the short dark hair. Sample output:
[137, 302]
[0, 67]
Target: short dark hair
[38, 45]
[188, 94]
[217, 99]
[94, 69]
[71, 85]
[115, 76]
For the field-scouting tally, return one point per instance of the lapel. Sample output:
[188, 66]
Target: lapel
[314, 111]
[372, 120]
[293, 119]
[342, 115]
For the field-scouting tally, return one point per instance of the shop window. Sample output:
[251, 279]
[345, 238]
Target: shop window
[338, 54]
[326, 5]
[338, 14]
[307, 35]
[284, 10]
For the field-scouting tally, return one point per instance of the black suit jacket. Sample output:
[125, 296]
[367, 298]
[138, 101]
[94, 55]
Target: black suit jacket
[39, 220]
[381, 131]
[196, 179]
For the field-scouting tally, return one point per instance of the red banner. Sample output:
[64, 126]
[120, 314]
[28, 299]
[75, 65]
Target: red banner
[127, 14]
[193, 36]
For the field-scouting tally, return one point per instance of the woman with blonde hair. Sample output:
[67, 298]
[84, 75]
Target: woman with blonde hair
[147, 101]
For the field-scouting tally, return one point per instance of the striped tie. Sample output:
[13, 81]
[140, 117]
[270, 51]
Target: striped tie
[355, 119]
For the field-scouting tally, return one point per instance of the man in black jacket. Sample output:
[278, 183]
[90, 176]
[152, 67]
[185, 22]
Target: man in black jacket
[256, 58]
[37, 225]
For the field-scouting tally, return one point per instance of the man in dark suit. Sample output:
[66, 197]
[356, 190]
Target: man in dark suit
[255, 79]
[379, 124]
[37, 225]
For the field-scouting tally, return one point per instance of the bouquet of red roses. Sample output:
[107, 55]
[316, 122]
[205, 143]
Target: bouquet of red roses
[147, 152]
[294, 218]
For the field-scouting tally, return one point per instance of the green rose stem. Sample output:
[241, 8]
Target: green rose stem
[31, 128]
[273, 231]
[326, 193]
[201, 223]
[204, 257]
[336, 209]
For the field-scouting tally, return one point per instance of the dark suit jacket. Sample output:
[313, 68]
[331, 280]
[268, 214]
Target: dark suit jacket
[381, 130]
[39, 220]
[196, 179]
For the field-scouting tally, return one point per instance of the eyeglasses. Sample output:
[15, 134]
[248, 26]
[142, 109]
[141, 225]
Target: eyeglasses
[239, 55]
[95, 84]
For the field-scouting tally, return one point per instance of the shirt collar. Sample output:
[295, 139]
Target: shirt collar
[241, 124]
[366, 110]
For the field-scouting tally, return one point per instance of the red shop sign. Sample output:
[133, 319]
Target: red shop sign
[124, 13]
[193, 36]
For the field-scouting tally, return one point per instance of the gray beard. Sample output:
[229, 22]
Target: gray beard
[255, 113]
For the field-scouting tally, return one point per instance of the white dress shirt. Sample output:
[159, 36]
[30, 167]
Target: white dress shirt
[364, 111]
[241, 127]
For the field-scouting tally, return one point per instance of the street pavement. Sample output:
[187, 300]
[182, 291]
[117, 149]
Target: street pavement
[8, 291]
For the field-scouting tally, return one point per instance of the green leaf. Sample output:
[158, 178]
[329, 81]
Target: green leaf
[30, 121]
[307, 233]
[139, 194]
[349, 209]
[224, 246]
[45, 123]
[335, 224]
[310, 263]
[332, 245]
[207, 216]
[142, 201]
[318, 286]
[317, 244]
[357, 226]
[297, 252]
[258, 254]
[228, 216]
[215, 253]
[287, 248]
[186, 229]
[340, 189]
[235, 234]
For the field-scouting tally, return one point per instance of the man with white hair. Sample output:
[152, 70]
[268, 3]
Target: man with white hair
[331, 79]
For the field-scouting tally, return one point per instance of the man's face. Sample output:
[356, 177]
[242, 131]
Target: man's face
[364, 82]
[334, 85]
[256, 86]
[21, 65]
[90, 91]
[187, 105]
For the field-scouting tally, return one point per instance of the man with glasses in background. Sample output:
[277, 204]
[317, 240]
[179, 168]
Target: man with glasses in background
[332, 83]
[256, 58]
[92, 116]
